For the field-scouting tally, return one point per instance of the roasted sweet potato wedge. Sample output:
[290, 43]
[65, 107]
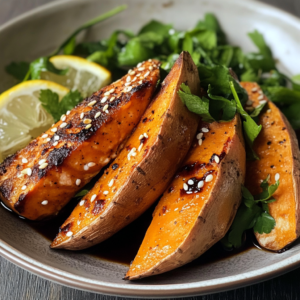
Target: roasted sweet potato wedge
[277, 148]
[143, 169]
[200, 204]
[40, 179]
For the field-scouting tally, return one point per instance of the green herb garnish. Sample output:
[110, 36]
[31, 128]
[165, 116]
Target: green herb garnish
[252, 213]
[50, 101]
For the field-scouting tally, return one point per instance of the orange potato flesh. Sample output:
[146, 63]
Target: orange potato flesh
[277, 148]
[120, 186]
[179, 218]
[44, 191]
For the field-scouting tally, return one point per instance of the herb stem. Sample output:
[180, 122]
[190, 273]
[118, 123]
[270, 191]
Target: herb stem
[90, 24]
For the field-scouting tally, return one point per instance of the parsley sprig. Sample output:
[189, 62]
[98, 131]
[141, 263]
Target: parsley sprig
[252, 213]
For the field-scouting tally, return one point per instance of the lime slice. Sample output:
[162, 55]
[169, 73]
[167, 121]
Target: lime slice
[85, 76]
[22, 117]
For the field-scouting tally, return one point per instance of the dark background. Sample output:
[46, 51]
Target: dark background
[17, 284]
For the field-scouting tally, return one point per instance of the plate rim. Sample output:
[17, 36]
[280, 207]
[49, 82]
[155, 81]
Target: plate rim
[146, 291]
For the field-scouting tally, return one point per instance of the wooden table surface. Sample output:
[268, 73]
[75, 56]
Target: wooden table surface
[17, 284]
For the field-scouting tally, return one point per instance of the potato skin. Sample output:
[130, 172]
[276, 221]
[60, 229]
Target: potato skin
[208, 226]
[277, 147]
[171, 135]
[79, 153]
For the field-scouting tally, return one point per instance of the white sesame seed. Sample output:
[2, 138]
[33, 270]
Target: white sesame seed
[200, 142]
[138, 74]
[78, 182]
[146, 74]
[106, 111]
[131, 72]
[78, 222]
[217, 159]
[277, 176]
[63, 118]
[141, 136]
[44, 135]
[85, 167]
[141, 81]
[105, 193]
[140, 147]
[269, 110]
[145, 135]
[129, 155]
[112, 99]
[139, 64]
[105, 107]
[107, 93]
[43, 166]
[24, 187]
[92, 103]
[149, 59]
[185, 187]
[111, 183]
[48, 140]
[42, 161]
[81, 115]
[56, 137]
[103, 100]
[45, 202]
[190, 182]
[150, 68]
[199, 135]
[20, 175]
[97, 114]
[262, 102]
[249, 102]
[91, 164]
[260, 97]
[200, 184]
[24, 161]
[55, 144]
[81, 202]
[27, 171]
[69, 233]
[205, 129]
[93, 197]
[254, 89]
[127, 84]
[87, 121]
[128, 79]
[141, 69]
[88, 126]
[260, 92]
[209, 178]
[54, 129]
[134, 79]
[68, 112]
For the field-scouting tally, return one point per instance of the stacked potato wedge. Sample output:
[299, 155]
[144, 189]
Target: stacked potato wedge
[158, 148]
[39, 180]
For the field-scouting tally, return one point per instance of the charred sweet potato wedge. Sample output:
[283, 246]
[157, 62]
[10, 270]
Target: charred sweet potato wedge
[142, 170]
[40, 179]
[278, 151]
[199, 206]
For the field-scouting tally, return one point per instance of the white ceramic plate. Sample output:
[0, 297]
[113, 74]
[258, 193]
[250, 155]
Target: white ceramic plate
[40, 31]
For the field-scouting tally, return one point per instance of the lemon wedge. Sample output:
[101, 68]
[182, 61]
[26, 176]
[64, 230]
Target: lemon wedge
[85, 76]
[22, 117]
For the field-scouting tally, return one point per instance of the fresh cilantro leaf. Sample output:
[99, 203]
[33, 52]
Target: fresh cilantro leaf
[264, 223]
[70, 46]
[50, 101]
[251, 129]
[195, 103]
[188, 43]
[43, 64]
[282, 95]
[257, 110]
[18, 69]
[157, 27]
[292, 112]
[81, 194]
[252, 213]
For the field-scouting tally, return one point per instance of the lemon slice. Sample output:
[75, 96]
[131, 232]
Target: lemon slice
[22, 117]
[85, 76]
